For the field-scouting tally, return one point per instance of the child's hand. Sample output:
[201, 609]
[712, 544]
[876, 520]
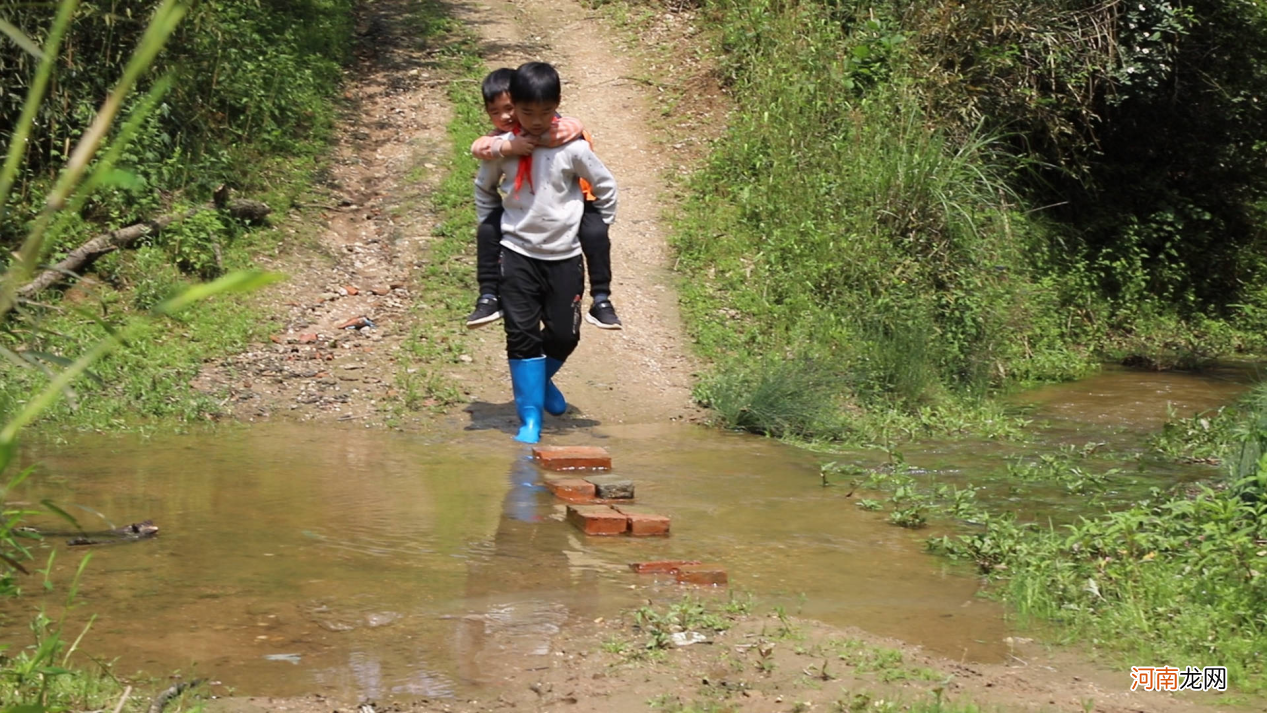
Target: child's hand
[519, 146]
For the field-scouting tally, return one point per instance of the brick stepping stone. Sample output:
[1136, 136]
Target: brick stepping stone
[597, 520]
[702, 574]
[643, 522]
[618, 520]
[661, 566]
[572, 457]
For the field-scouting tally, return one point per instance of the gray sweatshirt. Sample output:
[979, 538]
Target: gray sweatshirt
[541, 220]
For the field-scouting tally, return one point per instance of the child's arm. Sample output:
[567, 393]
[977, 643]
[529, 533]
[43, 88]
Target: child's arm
[586, 164]
[487, 199]
[566, 129]
[491, 146]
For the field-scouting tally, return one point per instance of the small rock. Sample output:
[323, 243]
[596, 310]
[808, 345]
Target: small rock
[465, 359]
[308, 338]
[378, 619]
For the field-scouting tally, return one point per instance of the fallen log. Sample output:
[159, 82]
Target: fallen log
[84, 255]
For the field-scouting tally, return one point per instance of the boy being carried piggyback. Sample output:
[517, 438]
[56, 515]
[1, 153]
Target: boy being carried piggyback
[595, 242]
[541, 281]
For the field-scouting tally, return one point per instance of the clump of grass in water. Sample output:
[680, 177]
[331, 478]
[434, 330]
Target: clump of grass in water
[1172, 578]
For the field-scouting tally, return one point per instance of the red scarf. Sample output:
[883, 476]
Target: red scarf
[525, 168]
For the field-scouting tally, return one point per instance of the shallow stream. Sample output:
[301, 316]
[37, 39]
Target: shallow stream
[297, 559]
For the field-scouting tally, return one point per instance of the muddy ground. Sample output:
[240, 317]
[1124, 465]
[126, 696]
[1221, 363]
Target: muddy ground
[765, 663]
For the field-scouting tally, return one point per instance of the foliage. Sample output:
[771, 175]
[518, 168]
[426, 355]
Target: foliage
[839, 219]
[36, 679]
[932, 202]
[243, 97]
[687, 614]
[249, 81]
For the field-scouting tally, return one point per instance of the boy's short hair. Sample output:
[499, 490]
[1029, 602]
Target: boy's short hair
[496, 84]
[535, 83]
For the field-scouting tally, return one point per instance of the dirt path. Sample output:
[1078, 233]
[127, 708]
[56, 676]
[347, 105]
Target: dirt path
[642, 373]
[354, 255]
[370, 236]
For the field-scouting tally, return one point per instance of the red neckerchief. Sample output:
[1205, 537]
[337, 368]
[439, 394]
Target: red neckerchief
[525, 163]
[525, 168]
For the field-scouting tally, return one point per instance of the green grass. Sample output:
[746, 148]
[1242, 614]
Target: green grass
[870, 249]
[1167, 576]
[146, 384]
[844, 257]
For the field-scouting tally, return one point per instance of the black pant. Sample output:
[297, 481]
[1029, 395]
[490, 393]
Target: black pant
[597, 246]
[541, 291]
[595, 243]
[488, 250]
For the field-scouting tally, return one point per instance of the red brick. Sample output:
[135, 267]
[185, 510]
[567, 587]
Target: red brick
[705, 574]
[660, 566]
[573, 490]
[597, 519]
[643, 522]
[308, 338]
[572, 457]
[351, 290]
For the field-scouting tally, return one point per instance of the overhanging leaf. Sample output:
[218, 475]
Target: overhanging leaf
[61, 513]
[20, 39]
[240, 281]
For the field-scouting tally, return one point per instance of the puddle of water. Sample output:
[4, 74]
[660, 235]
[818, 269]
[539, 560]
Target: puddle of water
[1118, 399]
[299, 559]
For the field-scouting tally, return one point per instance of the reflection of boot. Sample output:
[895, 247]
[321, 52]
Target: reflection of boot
[528, 380]
[521, 501]
[555, 404]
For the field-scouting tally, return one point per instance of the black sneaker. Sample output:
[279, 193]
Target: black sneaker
[487, 309]
[603, 315]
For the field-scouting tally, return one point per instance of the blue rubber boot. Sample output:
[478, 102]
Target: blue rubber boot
[555, 404]
[528, 380]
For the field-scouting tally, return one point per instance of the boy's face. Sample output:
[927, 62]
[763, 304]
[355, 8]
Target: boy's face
[536, 117]
[501, 111]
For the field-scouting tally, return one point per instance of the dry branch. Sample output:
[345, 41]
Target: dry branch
[84, 255]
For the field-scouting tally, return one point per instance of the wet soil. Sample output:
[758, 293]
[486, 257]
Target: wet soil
[767, 663]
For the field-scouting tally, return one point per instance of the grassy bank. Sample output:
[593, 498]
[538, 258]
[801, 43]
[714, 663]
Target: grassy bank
[880, 243]
[1174, 577]
[252, 103]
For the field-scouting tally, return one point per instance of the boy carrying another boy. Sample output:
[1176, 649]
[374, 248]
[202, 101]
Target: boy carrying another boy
[542, 278]
[595, 242]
